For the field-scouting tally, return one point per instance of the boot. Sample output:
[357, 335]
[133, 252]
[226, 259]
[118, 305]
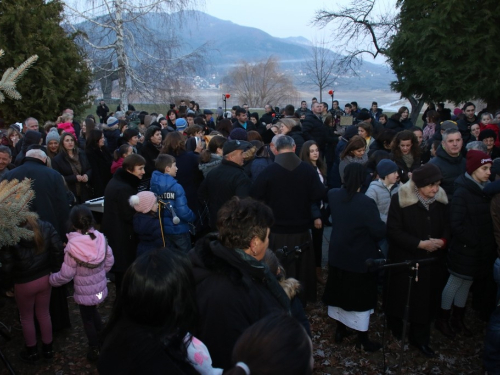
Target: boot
[457, 321]
[319, 277]
[363, 342]
[93, 353]
[30, 355]
[341, 332]
[47, 351]
[443, 325]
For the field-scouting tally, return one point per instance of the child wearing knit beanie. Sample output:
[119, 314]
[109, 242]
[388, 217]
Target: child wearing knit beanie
[146, 222]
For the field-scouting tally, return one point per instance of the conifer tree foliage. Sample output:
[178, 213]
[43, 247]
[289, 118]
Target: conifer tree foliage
[15, 197]
[60, 78]
[447, 50]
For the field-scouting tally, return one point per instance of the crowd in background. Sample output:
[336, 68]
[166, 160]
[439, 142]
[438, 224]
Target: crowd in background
[213, 226]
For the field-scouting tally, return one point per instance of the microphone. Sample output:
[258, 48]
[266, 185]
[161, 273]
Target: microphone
[375, 262]
[175, 218]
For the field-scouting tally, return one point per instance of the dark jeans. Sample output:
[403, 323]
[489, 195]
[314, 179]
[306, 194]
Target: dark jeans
[491, 358]
[92, 323]
[180, 242]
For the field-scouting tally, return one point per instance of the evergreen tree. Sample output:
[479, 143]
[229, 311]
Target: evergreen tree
[448, 50]
[59, 79]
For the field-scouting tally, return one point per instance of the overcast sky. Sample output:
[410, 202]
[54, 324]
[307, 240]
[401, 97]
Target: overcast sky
[281, 18]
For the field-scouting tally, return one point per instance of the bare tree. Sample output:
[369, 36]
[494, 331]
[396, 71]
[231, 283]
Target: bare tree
[363, 29]
[261, 83]
[322, 66]
[118, 32]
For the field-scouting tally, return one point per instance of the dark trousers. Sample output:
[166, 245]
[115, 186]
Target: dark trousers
[317, 241]
[419, 334]
[92, 323]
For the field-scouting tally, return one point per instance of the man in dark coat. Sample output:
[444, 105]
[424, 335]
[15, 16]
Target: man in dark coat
[417, 228]
[50, 202]
[467, 121]
[313, 127]
[117, 220]
[242, 121]
[226, 180]
[102, 112]
[267, 117]
[450, 160]
[290, 186]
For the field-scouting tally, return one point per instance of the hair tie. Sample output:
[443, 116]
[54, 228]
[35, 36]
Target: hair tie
[244, 367]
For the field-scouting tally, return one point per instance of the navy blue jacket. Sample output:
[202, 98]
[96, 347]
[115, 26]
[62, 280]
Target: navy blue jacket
[356, 229]
[147, 227]
[169, 190]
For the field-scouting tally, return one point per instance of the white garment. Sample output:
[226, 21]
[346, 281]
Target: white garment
[358, 320]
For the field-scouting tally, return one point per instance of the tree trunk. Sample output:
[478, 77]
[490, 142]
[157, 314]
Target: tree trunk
[416, 107]
[121, 56]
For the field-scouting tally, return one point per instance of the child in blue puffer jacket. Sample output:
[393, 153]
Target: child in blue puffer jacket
[176, 215]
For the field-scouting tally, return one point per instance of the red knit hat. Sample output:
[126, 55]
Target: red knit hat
[476, 159]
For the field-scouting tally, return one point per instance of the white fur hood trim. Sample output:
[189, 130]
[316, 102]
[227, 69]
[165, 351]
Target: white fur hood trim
[407, 196]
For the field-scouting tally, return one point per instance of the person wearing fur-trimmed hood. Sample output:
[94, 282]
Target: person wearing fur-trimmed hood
[417, 228]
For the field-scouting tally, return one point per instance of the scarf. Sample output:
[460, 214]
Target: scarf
[408, 159]
[76, 167]
[426, 202]
[361, 160]
[480, 184]
[429, 131]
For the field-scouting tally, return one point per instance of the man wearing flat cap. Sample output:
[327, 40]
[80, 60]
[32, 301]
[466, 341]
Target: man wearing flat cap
[226, 180]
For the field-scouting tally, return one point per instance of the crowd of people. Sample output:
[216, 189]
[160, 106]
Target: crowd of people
[213, 226]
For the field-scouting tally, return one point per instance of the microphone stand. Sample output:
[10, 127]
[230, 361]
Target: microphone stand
[413, 266]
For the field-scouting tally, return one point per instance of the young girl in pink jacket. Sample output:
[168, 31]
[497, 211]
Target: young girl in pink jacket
[87, 258]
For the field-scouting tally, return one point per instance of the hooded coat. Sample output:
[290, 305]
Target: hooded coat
[86, 261]
[408, 223]
[472, 249]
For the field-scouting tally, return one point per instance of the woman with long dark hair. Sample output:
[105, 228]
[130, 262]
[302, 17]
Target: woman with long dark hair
[355, 152]
[100, 160]
[351, 288]
[171, 117]
[74, 166]
[406, 154]
[400, 121]
[150, 150]
[149, 328]
[310, 154]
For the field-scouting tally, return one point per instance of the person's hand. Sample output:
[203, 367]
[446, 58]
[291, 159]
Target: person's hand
[85, 178]
[318, 224]
[79, 178]
[438, 242]
[268, 126]
[429, 245]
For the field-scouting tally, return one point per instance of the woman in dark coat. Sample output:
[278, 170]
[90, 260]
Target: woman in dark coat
[100, 160]
[118, 217]
[188, 174]
[472, 250]
[417, 228]
[150, 151]
[292, 128]
[149, 328]
[233, 288]
[73, 165]
[405, 152]
[400, 121]
[351, 288]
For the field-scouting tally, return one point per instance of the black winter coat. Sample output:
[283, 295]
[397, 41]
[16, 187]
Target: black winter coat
[223, 182]
[61, 164]
[314, 129]
[50, 201]
[451, 168]
[117, 220]
[231, 295]
[100, 161]
[356, 229]
[150, 153]
[134, 349]
[21, 264]
[472, 249]
[408, 223]
[296, 134]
